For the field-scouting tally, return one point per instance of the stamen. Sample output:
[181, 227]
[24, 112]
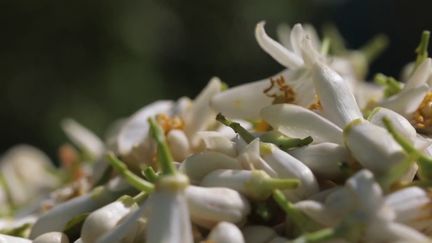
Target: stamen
[284, 94]
[422, 117]
[169, 123]
[316, 106]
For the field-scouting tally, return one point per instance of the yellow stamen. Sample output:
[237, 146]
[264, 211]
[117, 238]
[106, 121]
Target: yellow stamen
[284, 94]
[317, 105]
[169, 123]
[261, 126]
[422, 117]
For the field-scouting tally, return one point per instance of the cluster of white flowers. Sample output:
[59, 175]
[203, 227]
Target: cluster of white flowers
[311, 154]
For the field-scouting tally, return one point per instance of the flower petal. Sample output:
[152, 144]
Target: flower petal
[296, 121]
[407, 101]
[339, 104]
[225, 232]
[420, 75]
[282, 55]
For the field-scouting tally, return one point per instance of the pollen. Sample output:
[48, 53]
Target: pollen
[422, 117]
[169, 123]
[317, 105]
[261, 126]
[284, 92]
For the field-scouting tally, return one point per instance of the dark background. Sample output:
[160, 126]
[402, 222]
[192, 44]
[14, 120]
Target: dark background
[99, 60]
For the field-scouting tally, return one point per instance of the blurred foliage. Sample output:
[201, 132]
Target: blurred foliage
[96, 61]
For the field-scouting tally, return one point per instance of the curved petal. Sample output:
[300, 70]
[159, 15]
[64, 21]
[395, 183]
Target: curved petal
[198, 116]
[136, 129]
[339, 104]
[420, 75]
[277, 51]
[296, 121]
[83, 138]
[297, 35]
[407, 101]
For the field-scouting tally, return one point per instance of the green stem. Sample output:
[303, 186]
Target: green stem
[165, 159]
[140, 197]
[422, 48]
[390, 84]
[282, 184]
[150, 174]
[130, 177]
[325, 46]
[317, 236]
[424, 162]
[301, 221]
[245, 134]
[283, 141]
[375, 47]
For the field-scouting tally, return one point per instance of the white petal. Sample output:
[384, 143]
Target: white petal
[323, 158]
[393, 232]
[287, 166]
[83, 138]
[199, 114]
[297, 35]
[104, 219]
[313, 35]
[407, 101]
[169, 220]
[373, 146]
[338, 102]
[250, 158]
[217, 142]
[209, 206]
[420, 75]
[13, 239]
[368, 193]
[52, 237]
[225, 232]
[277, 51]
[409, 204]
[317, 212]
[179, 144]
[400, 123]
[136, 129]
[243, 101]
[199, 165]
[296, 121]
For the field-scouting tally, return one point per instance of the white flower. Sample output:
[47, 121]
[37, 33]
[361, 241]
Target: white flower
[168, 220]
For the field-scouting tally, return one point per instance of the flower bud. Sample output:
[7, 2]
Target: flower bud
[287, 166]
[179, 144]
[225, 232]
[255, 184]
[106, 218]
[209, 206]
[373, 146]
[323, 158]
[52, 237]
[199, 165]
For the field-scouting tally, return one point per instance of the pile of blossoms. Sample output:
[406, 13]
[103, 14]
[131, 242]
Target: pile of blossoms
[312, 154]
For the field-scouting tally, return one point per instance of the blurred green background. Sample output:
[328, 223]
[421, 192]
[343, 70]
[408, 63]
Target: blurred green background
[100, 60]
